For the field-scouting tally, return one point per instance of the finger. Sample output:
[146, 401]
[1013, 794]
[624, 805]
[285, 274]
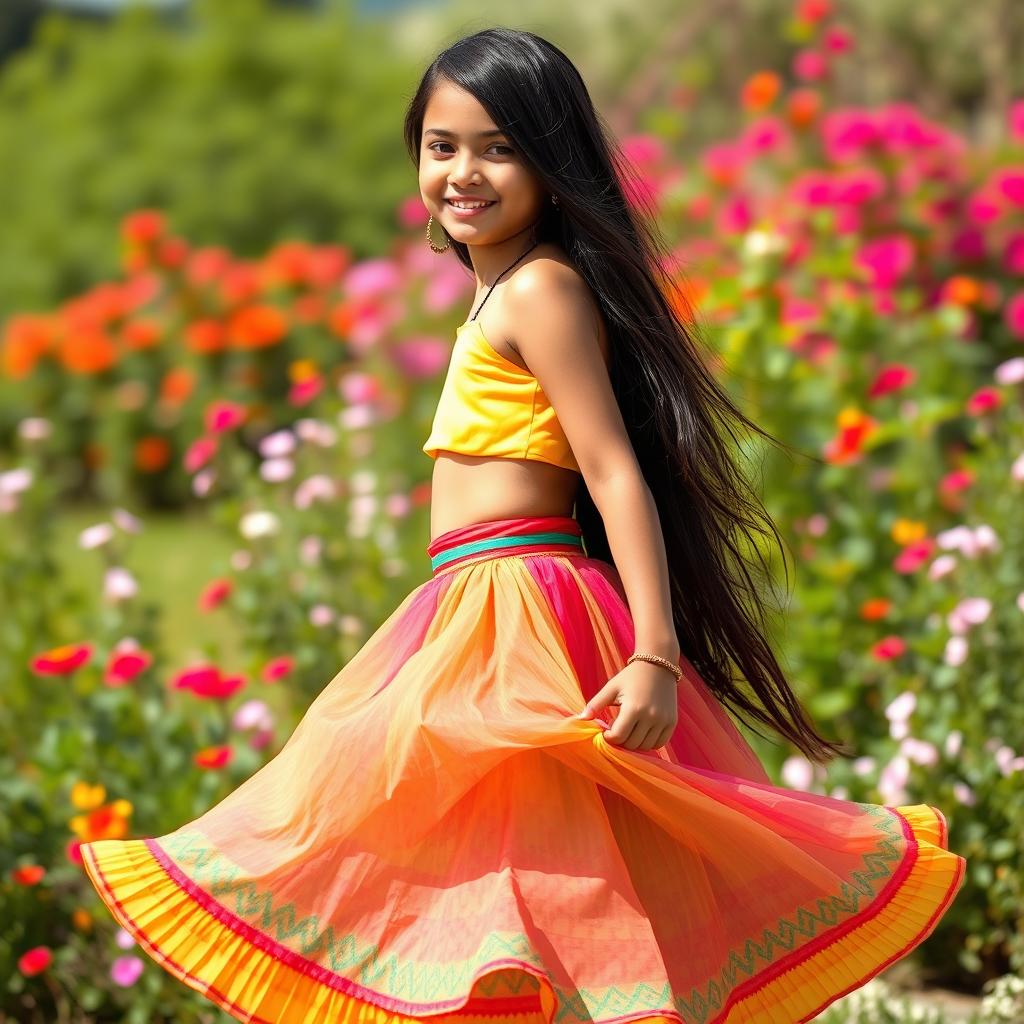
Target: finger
[631, 732]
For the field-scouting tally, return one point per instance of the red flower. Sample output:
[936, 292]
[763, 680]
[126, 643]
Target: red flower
[875, 608]
[28, 874]
[888, 647]
[213, 757]
[35, 960]
[143, 226]
[891, 378]
[278, 667]
[125, 665]
[207, 681]
[61, 661]
[215, 593]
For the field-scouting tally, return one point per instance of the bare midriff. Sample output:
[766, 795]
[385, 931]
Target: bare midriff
[467, 489]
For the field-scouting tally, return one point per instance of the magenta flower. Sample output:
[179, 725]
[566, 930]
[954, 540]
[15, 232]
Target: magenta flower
[199, 453]
[887, 259]
[126, 970]
[1013, 315]
[891, 378]
[1009, 181]
[223, 415]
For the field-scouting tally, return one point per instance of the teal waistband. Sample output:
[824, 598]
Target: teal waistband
[473, 546]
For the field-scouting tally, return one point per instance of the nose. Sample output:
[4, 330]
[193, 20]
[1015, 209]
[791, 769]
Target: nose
[463, 169]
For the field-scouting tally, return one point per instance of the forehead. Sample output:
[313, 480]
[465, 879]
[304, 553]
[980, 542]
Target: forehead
[451, 109]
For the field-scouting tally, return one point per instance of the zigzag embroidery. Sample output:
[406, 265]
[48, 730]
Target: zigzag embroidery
[431, 983]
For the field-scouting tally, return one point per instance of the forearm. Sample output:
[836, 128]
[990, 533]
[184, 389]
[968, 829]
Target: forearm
[634, 536]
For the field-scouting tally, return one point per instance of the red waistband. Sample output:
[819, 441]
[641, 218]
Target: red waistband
[478, 534]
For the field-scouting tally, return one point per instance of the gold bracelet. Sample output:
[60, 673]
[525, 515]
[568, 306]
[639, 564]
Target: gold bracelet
[656, 659]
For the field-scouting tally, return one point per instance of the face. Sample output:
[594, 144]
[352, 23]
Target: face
[463, 154]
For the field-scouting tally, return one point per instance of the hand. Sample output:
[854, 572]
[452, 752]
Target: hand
[646, 697]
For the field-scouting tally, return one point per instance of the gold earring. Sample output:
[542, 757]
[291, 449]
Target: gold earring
[430, 241]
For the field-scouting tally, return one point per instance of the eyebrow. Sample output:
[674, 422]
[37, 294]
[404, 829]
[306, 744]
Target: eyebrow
[454, 135]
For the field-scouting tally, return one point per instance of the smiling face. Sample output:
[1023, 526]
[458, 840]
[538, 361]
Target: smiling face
[462, 153]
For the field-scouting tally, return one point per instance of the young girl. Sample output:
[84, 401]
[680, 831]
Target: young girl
[523, 798]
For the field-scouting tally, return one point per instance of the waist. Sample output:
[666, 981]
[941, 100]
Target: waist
[518, 535]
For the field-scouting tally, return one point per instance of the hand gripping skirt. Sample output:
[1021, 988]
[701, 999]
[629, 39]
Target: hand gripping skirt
[440, 839]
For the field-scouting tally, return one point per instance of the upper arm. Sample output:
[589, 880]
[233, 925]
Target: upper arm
[557, 334]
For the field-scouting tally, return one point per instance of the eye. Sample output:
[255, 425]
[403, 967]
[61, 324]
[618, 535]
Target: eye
[496, 145]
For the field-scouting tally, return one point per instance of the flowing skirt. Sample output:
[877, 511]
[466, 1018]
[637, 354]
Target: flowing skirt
[439, 837]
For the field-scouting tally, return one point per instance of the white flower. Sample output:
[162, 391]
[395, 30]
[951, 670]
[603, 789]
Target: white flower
[258, 524]
[964, 793]
[900, 709]
[119, 584]
[35, 428]
[863, 766]
[355, 417]
[252, 714]
[321, 615]
[942, 566]
[316, 432]
[126, 521]
[95, 536]
[277, 444]
[1017, 469]
[317, 487]
[955, 653]
[798, 773]
[1011, 371]
[953, 743]
[277, 469]
[919, 751]
[15, 480]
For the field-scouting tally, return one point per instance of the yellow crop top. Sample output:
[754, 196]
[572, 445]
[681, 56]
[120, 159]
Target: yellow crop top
[491, 406]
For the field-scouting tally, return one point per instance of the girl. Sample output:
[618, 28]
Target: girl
[523, 798]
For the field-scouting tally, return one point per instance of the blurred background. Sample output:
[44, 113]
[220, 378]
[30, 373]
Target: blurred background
[223, 334]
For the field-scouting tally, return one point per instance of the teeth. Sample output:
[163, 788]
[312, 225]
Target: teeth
[467, 206]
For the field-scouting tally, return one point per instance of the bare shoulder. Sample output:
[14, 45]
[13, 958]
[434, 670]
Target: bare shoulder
[549, 287]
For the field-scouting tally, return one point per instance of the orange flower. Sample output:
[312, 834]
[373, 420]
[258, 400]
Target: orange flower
[854, 429]
[140, 334]
[875, 608]
[803, 107]
[85, 797]
[341, 319]
[107, 822]
[87, 351]
[206, 336]
[906, 531]
[152, 453]
[759, 91]
[961, 290]
[61, 661]
[177, 385]
[213, 757]
[257, 326]
[27, 338]
[81, 919]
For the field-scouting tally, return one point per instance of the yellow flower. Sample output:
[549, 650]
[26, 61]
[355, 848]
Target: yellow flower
[908, 531]
[85, 797]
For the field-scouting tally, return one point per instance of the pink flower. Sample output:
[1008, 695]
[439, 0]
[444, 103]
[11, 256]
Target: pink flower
[914, 555]
[277, 668]
[810, 65]
[223, 415]
[35, 960]
[838, 40]
[207, 681]
[1013, 315]
[412, 213]
[199, 453]
[1013, 254]
[984, 400]
[887, 259]
[125, 970]
[1011, 371]
[1017, 120]
[1010, 183]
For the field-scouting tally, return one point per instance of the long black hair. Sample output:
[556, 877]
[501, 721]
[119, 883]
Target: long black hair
[675, 411]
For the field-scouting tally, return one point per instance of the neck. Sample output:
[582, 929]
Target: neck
[494, 258]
